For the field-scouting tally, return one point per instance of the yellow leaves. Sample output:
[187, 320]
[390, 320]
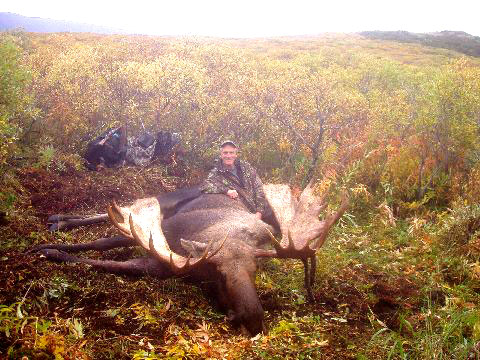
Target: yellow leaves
[410, 269]
[324, 184]
[284, 145]
[361, 190]
[76, 328]
[284, 327]
[265, 281]
[53, 344]
[143, 313]
[186, 343]
[476, 330]
[475, 269]
[171, 76]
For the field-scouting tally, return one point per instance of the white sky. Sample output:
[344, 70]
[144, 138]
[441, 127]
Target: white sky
[249, 18]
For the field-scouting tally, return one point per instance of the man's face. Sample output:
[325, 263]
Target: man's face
[228, 154]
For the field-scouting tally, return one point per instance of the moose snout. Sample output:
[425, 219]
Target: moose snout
[250, 320]
[245, 307]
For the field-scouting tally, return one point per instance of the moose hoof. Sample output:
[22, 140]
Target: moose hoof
[37, 248]
[56, 255]
[57, 226]
[60, 217]
[54, 218]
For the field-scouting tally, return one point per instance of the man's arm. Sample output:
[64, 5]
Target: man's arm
[260, 199]
[215, 184]
[257, 191]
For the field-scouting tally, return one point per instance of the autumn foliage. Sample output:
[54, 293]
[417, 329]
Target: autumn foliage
[397, 125]
[299, 111]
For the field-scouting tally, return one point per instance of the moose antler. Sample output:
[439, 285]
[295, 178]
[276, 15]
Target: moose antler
[304, 232]
[166, 256]
[114, 211]
[290, 251]
[303, 253]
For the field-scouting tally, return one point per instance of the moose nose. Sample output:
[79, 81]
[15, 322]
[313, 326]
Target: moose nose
[254, 323]
[247, 309]
[250, 323]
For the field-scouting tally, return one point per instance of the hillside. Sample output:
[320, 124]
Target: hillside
[10, 21]
[453, 40]
[458, 41]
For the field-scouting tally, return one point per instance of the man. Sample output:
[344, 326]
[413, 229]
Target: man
[236, 179]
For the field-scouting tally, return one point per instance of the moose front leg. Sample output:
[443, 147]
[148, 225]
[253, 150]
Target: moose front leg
[309, 275]
[102, 244]
[313, 269]
[145, 265]
[65, 222]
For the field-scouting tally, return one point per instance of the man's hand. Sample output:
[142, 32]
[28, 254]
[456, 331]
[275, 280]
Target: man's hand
[258, 215]
[232, 194]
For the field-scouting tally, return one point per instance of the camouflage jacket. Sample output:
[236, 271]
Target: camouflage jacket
[247, 183]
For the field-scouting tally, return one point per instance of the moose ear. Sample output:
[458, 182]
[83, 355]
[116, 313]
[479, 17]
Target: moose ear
[195, 249]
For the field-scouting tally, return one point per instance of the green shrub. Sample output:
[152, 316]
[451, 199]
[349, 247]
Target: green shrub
[15, 100]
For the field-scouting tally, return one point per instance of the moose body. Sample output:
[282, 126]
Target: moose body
[210, 239]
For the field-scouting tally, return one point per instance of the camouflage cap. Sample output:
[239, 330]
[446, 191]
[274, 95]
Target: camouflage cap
[228, 142]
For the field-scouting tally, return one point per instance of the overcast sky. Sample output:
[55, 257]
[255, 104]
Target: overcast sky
[250, 18]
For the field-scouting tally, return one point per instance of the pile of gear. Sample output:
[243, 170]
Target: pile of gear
[114, 149]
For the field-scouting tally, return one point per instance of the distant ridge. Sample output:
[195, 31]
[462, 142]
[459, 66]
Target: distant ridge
[459, 41]
[453, 40]
[10, 21]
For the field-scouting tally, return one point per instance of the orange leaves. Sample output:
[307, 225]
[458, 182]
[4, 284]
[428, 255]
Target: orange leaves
[285, 145]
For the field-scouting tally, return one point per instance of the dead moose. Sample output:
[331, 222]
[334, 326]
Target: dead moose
[211, 240]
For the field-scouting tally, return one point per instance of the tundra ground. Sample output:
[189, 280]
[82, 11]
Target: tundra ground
[382, 290]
